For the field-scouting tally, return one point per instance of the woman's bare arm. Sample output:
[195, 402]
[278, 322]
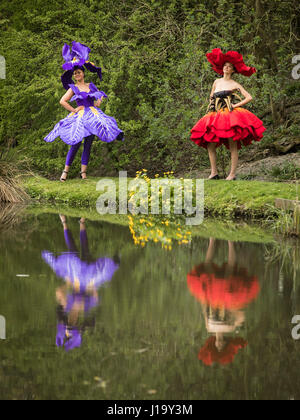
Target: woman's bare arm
[246, 94]
[98, 102]
[66, 98]
[213, 88]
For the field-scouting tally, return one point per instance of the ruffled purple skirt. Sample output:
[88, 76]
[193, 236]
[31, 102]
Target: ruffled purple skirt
[90, 121]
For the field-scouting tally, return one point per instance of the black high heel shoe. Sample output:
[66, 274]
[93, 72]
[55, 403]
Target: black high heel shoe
[81, 175]
[214, 177]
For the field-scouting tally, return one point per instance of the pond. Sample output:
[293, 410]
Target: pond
[92, 314]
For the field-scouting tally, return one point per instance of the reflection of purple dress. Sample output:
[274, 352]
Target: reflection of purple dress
[90, 121]
[83, 276]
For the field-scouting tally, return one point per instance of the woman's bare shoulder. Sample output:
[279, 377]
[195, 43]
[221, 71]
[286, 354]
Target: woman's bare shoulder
[237, 85]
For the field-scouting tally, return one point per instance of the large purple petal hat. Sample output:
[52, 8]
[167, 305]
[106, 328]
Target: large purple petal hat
[77, 56]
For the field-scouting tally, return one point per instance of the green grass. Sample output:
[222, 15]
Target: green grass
[248, 199]
[226, 199]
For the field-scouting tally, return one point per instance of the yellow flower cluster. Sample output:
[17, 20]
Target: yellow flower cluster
[144, 230]
[138, 240]
[153, 228]
[143, 174]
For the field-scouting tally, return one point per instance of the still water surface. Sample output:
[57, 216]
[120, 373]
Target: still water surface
[90, 315]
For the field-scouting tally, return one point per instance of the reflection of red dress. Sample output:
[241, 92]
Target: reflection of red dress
[214, 288]
[209, 353]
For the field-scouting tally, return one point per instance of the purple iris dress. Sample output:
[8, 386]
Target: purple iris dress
[89, 121]
[83, 276]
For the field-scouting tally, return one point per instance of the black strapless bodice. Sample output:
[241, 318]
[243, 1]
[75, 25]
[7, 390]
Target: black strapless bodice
[223, 94]
[223, 100]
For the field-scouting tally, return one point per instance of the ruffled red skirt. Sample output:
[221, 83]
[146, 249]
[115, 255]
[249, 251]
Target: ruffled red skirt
[219, 126]
[234, 291]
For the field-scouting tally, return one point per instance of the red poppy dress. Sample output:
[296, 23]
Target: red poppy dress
[222, 122]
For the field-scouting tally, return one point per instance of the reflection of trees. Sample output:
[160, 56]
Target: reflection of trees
[285, 256]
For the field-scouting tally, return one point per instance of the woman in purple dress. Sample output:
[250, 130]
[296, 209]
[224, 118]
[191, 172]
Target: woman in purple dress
[83, 276]
[86, 120]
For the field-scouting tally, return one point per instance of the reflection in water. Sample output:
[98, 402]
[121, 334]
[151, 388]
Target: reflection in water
[223, 292]
[164, 230]
[83, 276]
[148, 320]
[10, 216]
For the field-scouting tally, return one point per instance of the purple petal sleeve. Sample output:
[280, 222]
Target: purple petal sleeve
[98, 95]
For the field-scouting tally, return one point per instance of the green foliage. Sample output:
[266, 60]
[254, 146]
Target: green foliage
[154, 67]
[285, 172]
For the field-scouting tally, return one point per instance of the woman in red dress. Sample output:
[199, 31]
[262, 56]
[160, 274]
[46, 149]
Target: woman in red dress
[226, 121]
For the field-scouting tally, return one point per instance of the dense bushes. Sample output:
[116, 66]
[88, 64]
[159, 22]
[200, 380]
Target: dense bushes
[154, 71]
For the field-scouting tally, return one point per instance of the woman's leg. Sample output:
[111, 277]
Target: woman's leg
[70, 158]
[231, 258]
[84, 244]
[210, 254]
[68, 235]
[211, 147]
[211, 250]
[231, 254]
[234, 159]
[86, 155]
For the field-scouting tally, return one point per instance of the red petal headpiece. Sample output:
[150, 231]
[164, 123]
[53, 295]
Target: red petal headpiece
[218, 59]
[209, 353]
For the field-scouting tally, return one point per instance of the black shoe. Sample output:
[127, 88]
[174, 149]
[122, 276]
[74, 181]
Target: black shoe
[117, 259]
[121, 136]
[81, 175]
[214, 177]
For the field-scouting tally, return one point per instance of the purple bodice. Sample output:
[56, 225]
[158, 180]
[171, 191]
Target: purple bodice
[90, 121]
[86, 98]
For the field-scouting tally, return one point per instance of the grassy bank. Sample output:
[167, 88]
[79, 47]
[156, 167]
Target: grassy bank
[247, 199]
